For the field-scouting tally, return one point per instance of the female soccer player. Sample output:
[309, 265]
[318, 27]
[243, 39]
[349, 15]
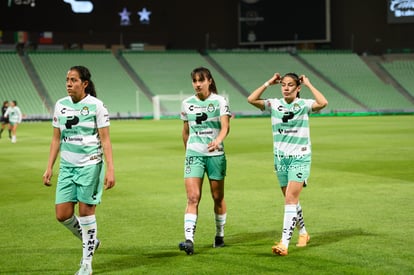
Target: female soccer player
[206, 117]
[81, 134]
[4, 120]
[292, 146]
[14, 115]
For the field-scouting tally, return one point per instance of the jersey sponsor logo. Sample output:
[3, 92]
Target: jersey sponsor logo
[70, 121]
[210, 108]
[204, 132]
[200, 117]
[287, 116]
[290, 156]
[193, 108]
[293, 167]
[287, 131]
[66, 139]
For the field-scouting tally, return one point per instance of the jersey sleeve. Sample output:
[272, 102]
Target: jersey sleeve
[309, 103]
[55, 121]
[267, 106]
[20, 115]
[102, 116]
[224, 107]
[183, 114]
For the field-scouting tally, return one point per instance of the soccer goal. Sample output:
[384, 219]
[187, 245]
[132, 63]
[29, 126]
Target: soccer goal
[169, 105]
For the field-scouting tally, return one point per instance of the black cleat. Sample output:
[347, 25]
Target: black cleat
[187, 246]
[218, 242]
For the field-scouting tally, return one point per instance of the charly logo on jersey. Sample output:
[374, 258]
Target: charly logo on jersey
[84, 111]
[210, 108]
[295, 108]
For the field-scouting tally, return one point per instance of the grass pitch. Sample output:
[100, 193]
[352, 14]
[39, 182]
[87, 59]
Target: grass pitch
[358, 205]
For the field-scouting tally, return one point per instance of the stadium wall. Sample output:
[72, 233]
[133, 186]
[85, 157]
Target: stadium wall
[361, 26]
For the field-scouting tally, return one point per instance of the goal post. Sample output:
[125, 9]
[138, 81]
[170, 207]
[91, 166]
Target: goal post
[167, 105]
[170, 104]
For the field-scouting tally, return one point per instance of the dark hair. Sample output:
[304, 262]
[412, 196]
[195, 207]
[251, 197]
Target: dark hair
[5, 103]
[85, 75]
[15, 102]
[296, 78]
[204, 73]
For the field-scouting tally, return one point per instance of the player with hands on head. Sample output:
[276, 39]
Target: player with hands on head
[81, 135]
[291, 146]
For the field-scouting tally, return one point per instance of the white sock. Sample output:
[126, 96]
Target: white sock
[89, 233]
[190, 222]
[289, 223]
[220, 222]
[73, 225]
[300, 221]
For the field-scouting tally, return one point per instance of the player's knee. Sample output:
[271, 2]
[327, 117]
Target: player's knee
[193, 199]
[61, 217]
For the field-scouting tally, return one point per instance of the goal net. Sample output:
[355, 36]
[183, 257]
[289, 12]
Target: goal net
[169, 105]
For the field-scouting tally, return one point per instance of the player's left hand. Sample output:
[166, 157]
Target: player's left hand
[212, 146]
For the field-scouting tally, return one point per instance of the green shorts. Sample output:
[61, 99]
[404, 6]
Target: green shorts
[80, 184]
[292, 168]
[215, 167]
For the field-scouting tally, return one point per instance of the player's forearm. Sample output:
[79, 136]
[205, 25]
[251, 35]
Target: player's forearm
[53, 153]
[319, 97]
[108, 154]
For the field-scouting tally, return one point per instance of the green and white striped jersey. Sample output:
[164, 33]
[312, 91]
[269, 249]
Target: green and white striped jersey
[14, 114]
[78, 123]
[203, 118]
[290, 126]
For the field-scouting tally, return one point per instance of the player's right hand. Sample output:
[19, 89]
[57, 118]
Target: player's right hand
[46, 178]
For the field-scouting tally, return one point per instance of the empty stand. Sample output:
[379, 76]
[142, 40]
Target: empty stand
[403, 72]
[114, 86]
[169, 73]
[127, 82]
[251, 69]
[15, 84]
[351, 74]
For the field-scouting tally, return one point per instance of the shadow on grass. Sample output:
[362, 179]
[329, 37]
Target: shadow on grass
[251, 237]
[134, 259]
[317, 239]
[249, 244]
[328, 237]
